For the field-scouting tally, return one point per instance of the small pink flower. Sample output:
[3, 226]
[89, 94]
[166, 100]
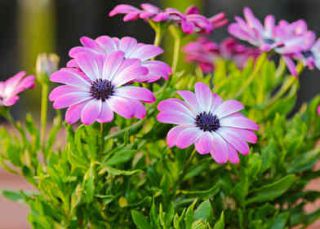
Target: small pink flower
[213, 126]
[191, 21]
[131, 48]
[284, 38]
[147, 11]
[206, 52]
[100, 87]
[13, 86]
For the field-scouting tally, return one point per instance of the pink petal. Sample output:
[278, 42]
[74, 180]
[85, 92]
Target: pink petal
[128, 45]
[190, 99]
[228, 107]
[62, 90]
[91, 111]
[145, 52]
[187, 137]
[127, 108]
[173, 135]
[219, 151]
[204, 143]
[239, 122]
[107, 44]
[70, 77]
[66, 100]
[136, 93]
[174, 106]
[156, 70]
[112, 64]
[130, 70]
[174, 118]
[235, 140]
[106, 114]
[233, 156]
[91, 64]
[204, 96]
[74, 112]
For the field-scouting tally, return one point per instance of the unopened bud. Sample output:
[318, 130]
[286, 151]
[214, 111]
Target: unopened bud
[46, 65]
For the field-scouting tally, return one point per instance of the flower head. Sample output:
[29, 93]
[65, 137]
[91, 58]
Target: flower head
[131, 49]
[100, 87]
[147, 11]
[191, 21]
[12, 87]
[213, 126]
[284, 38]
[206, 52]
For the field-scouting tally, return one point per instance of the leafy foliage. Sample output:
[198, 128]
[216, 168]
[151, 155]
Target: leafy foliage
[123, 175]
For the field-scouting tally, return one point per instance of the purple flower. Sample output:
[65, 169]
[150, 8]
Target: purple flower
[191, 21]
[213, 126]
[12, 87]
[100, 87]
[206, 52]
[311, 57]
[284, 38]
[132, 50]
[147, 11]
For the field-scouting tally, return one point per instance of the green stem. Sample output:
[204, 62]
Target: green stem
[176, 53]
[283, 90]
[253, 75]
[158, 36]
[44, 110]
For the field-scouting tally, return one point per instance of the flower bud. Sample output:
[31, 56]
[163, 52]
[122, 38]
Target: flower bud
[46, 65]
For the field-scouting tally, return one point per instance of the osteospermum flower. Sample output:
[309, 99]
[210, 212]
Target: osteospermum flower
[205, 52]
[12, 87]
[191, 21]
[147, 11]
[213, 126]
[99, 88]
[284, 38]
[131, 49]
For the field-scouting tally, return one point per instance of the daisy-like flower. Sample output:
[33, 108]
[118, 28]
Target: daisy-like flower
[12, 87]
[99, 88]
[205, 52]
[191, 21]
[284, 38]
[147, 11]
[131, 49]
[311, 57]
[213, 126]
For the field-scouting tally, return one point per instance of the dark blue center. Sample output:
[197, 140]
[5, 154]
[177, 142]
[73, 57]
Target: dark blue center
[101, 89]
[207, 121]
[307, 54]
[268, 41]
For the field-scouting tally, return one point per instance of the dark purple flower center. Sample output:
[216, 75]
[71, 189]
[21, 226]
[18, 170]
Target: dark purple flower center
[101, 89]
[207, 122]
[268, 41]
[307, 54]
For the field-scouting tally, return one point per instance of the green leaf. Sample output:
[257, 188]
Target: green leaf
[220, 223]
[140, 220]
[204, 211]
[121, 156]
[271, 191]
[118, 172]
[12, 195]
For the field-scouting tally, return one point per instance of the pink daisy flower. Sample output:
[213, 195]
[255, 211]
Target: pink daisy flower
[284, 38]
[205, 52]
[147, 11]
[191, 21]
[131, 49]
[99, 88]
[213, 126]
[12, 87]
